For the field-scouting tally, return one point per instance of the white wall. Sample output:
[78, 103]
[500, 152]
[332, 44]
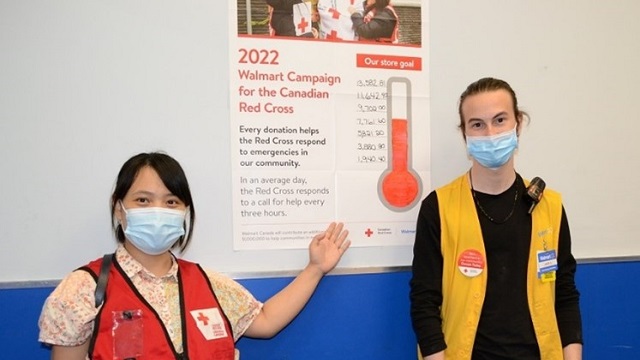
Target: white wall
[86, 84]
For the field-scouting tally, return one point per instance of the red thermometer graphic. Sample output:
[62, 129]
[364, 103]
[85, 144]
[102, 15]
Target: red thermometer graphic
[399, 186]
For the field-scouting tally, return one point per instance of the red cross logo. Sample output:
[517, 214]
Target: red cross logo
[368, 232]
[335, 14]
[333, 35]
[303, 24]
[203, 318]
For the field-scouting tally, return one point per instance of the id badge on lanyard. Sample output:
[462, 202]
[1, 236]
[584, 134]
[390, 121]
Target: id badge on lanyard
[127, 334]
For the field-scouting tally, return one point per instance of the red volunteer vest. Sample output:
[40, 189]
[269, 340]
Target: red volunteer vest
[197, 303]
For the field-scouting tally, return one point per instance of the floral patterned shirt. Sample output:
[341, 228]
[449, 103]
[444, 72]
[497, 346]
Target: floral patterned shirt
[68, 314]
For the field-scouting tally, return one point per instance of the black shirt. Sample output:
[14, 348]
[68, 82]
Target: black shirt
[505, 330]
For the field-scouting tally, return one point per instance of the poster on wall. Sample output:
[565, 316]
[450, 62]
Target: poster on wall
[329, 113]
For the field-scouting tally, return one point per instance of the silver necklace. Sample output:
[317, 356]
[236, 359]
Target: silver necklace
[483, 211]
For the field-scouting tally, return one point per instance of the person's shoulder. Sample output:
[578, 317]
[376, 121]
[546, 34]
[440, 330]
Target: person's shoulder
[431, 197]
[429, 203]
[444, 191]
[94, 261]
[549, 193]
[93, 266]
[219, 278]
[546, 191]
[388, 13]
[453, 183]
[80, 274]
[76, 284]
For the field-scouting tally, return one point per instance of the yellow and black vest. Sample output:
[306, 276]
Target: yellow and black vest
[463, 295]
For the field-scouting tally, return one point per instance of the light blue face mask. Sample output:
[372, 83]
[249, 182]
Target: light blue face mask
[154, 230]
[493, 151]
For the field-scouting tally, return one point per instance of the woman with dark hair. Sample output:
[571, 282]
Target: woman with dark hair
[379, 22]
[144, 302]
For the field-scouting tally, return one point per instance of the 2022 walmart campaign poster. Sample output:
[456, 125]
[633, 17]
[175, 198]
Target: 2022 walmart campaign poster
[329, 119]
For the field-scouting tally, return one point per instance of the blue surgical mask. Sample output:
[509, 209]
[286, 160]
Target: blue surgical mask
[493, 151]
[154, 230]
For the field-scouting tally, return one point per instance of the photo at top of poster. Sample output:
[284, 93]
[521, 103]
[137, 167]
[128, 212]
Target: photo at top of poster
[380, 22]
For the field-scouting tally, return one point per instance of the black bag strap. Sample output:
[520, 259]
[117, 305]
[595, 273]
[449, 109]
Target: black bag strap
[101, 286]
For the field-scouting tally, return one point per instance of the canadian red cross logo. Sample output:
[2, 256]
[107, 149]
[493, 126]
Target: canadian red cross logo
[368, 232]
[203, 318]
[210, 323]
